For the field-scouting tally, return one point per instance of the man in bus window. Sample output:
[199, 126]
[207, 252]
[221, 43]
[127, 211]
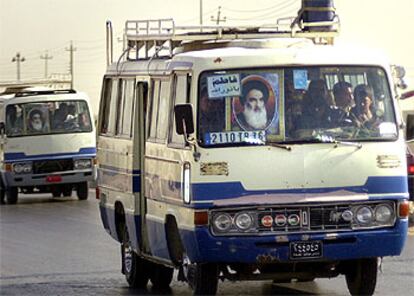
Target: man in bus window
[344, 99]
[13, 121]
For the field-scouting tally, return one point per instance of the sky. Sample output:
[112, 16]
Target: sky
[36, 27]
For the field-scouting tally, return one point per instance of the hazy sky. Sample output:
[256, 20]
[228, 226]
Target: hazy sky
[33, 26]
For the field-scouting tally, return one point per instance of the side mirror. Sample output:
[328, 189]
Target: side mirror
[184, 123]
[2, 129]
[407, 95]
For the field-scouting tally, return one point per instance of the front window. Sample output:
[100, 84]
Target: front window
[41, 118]
[295, 105]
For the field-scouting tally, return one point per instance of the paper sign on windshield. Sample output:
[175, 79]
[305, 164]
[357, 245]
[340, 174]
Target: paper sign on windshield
[224, 86]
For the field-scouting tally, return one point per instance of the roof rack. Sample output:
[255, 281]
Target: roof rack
[44, 92]
[158, 38]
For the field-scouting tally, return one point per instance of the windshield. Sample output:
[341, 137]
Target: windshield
[42, 118]
[294, 105]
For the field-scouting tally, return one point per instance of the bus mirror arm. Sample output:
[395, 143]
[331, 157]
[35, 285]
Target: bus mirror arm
[184, 125]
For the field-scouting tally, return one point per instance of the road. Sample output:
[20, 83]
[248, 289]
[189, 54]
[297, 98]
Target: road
[58, 247]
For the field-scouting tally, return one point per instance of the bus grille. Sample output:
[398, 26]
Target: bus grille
[311, 218]
[52, 166]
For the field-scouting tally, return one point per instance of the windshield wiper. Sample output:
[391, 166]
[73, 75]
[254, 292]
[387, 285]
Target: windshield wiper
[329, 139]
[286, 147]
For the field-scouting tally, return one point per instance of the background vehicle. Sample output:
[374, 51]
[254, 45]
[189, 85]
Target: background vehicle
[410, 169]
[190, 179]
[47, 143]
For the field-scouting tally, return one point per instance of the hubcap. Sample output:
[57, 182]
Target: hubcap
[128, 258]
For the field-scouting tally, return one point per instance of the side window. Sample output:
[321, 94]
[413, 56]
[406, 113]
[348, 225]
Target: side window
[113, 107]
[105, 105]
[410, 127]
[129, 105]
[120, 106]
[181, 96]
[153, 112]
[125, 107]
[163, 110]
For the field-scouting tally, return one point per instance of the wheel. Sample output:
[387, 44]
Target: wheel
[11, 195]
[136, 269]
[2, 195]
[67, 191]
[2, 192]
[202, 278]
[82, 190]
[361, 276]
[161, 276]
[56, 192]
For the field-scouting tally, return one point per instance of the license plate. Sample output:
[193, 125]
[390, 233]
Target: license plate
[304, 250]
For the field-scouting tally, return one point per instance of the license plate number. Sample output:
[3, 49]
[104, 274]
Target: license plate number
[303, 250]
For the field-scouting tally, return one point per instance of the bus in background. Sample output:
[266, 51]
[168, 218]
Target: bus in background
[48, 143]
[250, 154]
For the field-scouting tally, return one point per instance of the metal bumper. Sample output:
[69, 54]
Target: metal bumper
[67, 177]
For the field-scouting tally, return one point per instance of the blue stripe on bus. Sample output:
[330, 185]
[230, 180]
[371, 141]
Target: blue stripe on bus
[16, 156]
[120, 178]
[227, 190]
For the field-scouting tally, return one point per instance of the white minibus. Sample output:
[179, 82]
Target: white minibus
[48, 143]
[250, 154]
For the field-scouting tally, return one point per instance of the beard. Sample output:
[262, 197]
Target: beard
[37, 126]
[257, 119]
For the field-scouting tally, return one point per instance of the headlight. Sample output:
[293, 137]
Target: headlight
[243, 221]
[222, 222]
[22, 167]
[364, 215]
[81, 164]
[383, 213]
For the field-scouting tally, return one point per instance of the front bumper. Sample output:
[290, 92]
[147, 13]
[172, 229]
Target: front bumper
[36, 180]
[201, 246]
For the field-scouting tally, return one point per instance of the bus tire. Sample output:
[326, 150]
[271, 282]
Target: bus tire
[203, 278]
[361, 276]
[2, 192]
[11, 195]
[135, 269]
[82, 191]
[161, 276]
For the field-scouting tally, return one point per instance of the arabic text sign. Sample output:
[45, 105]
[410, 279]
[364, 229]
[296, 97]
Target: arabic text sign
[224, 86]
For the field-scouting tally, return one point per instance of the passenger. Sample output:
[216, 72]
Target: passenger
[212, 117]
[36, 121]
[316, 111]
[344, 100]
[14, 123]
[60, 116]
[364, 107]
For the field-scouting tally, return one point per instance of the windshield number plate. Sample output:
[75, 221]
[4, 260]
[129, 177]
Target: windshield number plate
[254, 137]
[305, 250]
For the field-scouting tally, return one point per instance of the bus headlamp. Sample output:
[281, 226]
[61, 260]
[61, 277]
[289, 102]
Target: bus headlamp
[383, 213]
[22, 167]
[81, 164]
[364, 215]
[222, 222]
[243, 221]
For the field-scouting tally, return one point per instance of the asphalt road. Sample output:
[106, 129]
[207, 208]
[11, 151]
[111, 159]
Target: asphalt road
[59, 247]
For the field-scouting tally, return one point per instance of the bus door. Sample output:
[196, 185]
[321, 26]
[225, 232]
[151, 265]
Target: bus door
[138, 160]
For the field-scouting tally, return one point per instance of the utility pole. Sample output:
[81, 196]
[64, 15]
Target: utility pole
[71, 49]
[46, 57]
[201, 12]
[218, 19]
[18, 59]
